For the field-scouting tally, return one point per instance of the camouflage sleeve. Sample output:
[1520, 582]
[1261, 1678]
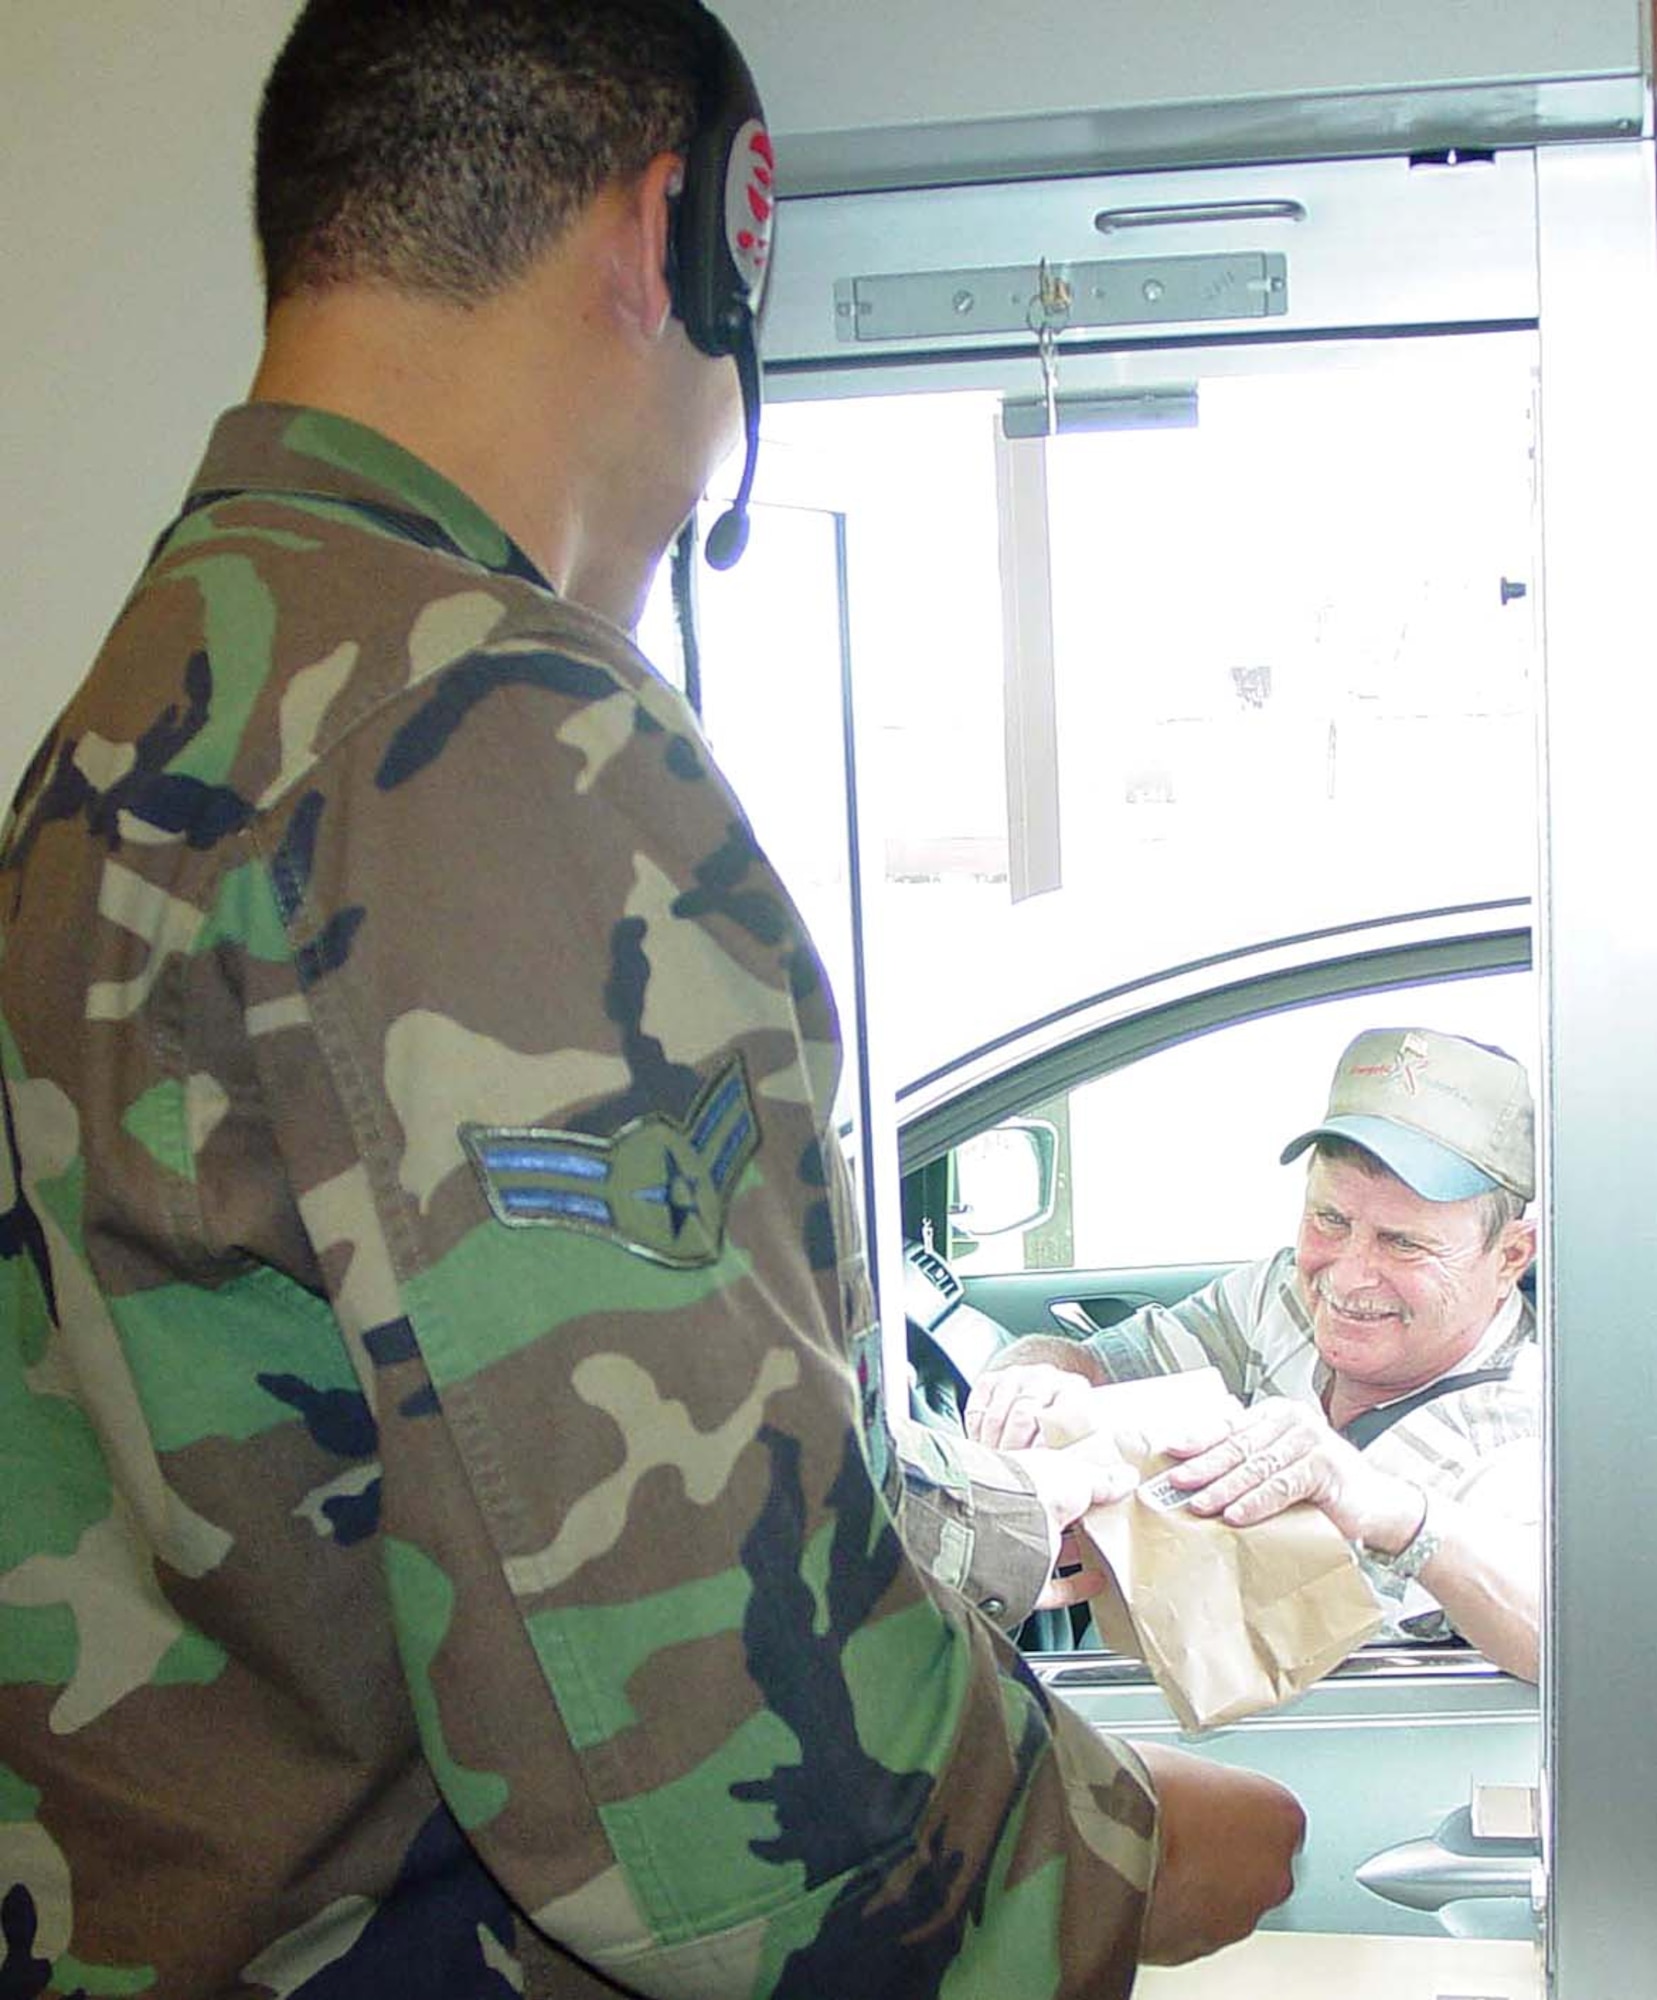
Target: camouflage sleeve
[551, 1080]
[971, 1517]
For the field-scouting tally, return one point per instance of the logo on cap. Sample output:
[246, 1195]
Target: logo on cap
[1411, 1060]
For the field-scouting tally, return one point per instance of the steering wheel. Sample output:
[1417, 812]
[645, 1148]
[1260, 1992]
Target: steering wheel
[949, 1340]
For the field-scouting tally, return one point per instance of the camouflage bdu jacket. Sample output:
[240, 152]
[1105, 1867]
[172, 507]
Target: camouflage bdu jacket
[443, 1551]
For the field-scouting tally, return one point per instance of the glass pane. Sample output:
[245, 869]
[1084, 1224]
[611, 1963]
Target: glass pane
[1173, 1160]
[1289, 692]
[1291, 668]
[777, 725]
[1291, 688]
[915, 476]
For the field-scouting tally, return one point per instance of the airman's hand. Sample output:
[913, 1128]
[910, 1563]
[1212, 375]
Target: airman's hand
[1069, 1482]
[1007, 1405]
[1228, 1840]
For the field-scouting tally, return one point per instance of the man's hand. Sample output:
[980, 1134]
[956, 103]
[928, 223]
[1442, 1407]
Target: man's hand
[1486, 1573]
[1228, 1843]
[1007, 1405]
[1069, 1482]
[1281, 1452]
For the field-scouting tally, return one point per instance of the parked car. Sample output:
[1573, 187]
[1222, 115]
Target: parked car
[1124, 1148]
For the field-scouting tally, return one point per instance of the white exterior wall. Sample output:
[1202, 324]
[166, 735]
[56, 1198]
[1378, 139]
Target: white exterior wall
[130, 311]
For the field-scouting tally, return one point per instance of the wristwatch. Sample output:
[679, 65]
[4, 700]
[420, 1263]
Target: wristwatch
[1408, 1562]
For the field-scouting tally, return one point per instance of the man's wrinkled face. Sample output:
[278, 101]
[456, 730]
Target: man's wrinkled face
[1400, 1288]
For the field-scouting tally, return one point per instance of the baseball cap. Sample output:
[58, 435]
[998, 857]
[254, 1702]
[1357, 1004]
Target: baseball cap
[1451, 1118]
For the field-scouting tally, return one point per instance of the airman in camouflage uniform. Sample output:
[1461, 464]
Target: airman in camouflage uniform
[435, 1485]
[444, 1549]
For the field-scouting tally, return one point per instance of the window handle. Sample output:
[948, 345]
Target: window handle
[1109, 220]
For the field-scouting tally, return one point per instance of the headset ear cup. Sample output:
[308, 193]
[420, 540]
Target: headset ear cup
[719, 246]
[721, 226]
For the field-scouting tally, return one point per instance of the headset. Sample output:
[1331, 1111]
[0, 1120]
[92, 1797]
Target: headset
[720, 243]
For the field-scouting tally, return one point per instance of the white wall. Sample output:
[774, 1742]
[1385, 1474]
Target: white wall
[129, 315]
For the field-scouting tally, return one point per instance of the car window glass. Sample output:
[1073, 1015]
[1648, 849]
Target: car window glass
[1173, 1160]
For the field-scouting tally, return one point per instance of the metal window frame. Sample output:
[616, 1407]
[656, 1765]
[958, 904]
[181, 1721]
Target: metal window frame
[1597, 254]
[1581, 265]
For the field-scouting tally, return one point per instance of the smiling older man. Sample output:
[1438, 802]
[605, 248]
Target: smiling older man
[1387, 1362]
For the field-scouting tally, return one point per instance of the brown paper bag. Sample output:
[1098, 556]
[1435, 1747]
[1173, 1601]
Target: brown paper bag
[1229, 1620]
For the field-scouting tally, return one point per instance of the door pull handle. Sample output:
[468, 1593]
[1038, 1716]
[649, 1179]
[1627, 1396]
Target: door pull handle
[1447, 1868]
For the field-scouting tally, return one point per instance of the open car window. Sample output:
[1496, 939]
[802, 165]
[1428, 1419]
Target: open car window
[1138, 1181]
[1173, 1160]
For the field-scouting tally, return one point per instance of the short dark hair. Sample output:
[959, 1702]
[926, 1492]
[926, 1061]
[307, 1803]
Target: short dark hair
[438, 146]
[1497, 1208]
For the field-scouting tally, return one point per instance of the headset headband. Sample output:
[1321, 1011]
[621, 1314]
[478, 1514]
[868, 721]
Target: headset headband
[720, 250]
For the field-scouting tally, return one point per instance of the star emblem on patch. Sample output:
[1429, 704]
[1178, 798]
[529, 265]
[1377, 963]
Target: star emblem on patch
[661, 1187]
[677, 1193]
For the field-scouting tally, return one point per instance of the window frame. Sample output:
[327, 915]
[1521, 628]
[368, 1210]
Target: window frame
[1582, 272]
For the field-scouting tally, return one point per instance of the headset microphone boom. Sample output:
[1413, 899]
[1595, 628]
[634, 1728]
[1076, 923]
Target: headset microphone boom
[721, 245]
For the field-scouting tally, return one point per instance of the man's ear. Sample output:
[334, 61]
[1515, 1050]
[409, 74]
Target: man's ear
[640, 246]
[1518, 1249]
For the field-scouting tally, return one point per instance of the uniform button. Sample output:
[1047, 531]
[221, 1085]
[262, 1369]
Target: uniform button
[992, 1607]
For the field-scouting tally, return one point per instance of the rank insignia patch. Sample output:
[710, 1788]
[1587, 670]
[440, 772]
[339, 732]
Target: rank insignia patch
[658, 1188]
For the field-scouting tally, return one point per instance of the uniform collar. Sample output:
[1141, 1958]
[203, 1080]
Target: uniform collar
[281, 448]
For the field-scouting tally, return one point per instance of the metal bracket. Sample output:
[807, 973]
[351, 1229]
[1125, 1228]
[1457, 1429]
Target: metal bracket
[1008, 298]
[1109, 410]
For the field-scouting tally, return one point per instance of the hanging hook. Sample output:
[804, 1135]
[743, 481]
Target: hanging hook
[1049, 311]
[1055, 295]
[1047, 343]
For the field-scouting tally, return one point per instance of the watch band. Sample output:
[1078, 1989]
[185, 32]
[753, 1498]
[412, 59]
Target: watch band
[1408, 1562]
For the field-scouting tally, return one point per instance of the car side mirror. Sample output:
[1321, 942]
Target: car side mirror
[1006, 1179]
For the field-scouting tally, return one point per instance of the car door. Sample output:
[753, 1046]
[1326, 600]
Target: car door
[1418, 1764]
